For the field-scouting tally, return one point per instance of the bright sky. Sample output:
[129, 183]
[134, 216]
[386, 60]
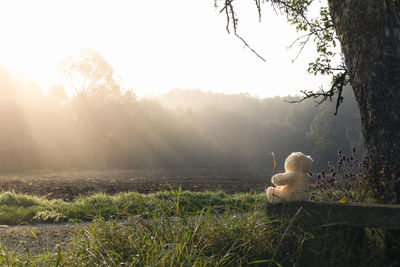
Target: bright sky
[158, 45]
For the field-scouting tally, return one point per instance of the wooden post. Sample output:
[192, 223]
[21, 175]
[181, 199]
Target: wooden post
[358, 215]
[364, 215]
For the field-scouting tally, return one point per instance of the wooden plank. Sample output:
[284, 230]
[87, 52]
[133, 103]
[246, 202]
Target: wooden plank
[381, 216]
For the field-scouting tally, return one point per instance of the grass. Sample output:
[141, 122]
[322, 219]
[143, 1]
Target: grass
[19, 208]
[182, 228]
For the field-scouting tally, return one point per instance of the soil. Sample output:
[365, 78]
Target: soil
[36, 238]
[67, 185]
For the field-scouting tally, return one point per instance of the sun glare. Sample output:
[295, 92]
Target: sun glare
[153, 46]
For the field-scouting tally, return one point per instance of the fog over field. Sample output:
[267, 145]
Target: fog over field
[105, 126]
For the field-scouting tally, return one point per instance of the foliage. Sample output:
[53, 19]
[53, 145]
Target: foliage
[327, 131]
[181, 129]
[319, 29]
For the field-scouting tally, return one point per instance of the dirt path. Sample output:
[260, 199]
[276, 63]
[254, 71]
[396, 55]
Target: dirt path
[37, 237]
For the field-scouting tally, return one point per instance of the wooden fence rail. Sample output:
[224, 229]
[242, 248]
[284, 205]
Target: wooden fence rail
[382, 216]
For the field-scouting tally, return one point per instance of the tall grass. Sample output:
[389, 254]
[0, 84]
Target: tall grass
[180, 228]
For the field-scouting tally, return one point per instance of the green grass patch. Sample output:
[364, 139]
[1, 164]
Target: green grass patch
[18, 208]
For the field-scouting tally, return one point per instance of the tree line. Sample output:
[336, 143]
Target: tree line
[181, 129]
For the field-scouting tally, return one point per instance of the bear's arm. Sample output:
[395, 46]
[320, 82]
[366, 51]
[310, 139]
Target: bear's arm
[283, 178]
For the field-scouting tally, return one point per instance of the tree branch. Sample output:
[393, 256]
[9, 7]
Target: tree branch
[231, 15]
[338, 83]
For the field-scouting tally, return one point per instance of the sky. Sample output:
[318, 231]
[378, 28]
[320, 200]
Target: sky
[158, 45]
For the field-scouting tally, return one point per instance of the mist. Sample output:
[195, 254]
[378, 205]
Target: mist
[103, 128]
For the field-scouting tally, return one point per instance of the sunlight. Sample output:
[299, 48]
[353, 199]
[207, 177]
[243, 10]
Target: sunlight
[155, 46]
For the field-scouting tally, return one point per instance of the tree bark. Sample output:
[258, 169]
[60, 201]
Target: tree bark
[369, 33]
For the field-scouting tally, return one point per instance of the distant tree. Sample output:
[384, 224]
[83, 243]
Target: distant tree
[369, 34]
[329, 133]
[17, 149]
[90, 74]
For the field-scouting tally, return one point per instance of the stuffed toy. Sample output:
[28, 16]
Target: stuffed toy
[292, 185]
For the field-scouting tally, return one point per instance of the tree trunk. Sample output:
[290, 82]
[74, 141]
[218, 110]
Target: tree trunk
[369, 33]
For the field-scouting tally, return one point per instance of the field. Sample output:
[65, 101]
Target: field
[69, 223]
[67, 185]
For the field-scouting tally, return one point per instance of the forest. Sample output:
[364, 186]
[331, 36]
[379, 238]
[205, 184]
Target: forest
[113, 128]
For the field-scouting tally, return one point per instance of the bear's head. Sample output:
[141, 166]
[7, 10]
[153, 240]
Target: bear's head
[298, 162]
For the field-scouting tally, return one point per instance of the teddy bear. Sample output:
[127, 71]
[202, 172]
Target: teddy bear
[292, 185]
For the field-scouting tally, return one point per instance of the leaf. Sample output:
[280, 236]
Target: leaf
[59, 258]
[265, 261]
[34, 234]
[273, 155]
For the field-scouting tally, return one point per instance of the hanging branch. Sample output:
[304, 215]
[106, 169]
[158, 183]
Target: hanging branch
[258, 5]
[339, 81]
[231, 16]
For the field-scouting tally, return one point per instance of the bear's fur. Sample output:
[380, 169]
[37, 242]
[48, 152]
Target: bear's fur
[292, 185]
